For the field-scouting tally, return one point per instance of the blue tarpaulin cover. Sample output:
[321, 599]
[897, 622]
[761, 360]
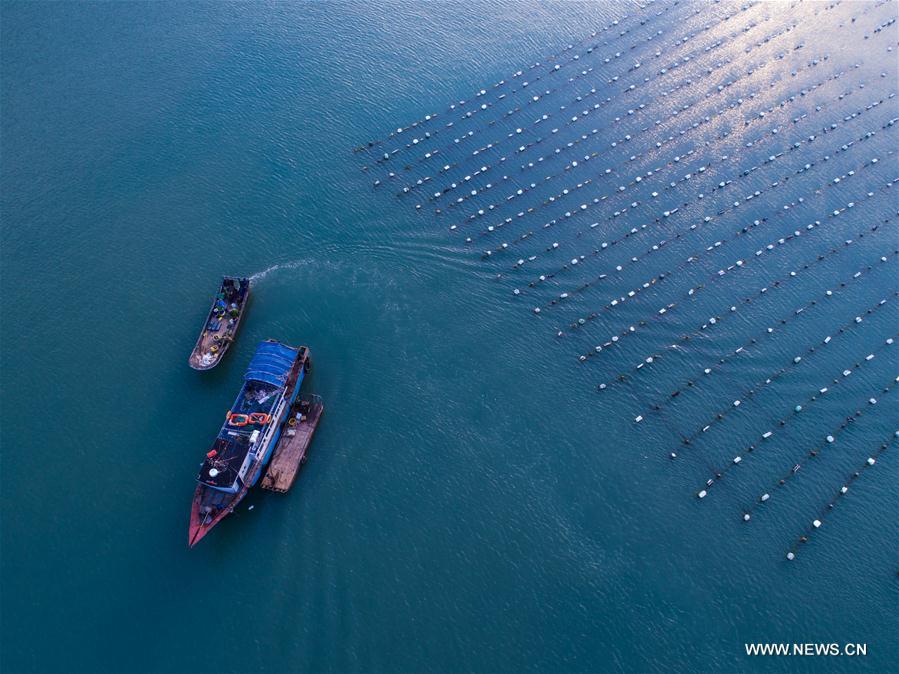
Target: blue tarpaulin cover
[271, 363]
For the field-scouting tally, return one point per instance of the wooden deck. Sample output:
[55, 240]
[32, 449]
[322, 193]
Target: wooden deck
[290, 453]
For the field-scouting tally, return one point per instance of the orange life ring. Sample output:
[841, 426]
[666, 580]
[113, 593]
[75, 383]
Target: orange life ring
[259, 418]
[238, 419]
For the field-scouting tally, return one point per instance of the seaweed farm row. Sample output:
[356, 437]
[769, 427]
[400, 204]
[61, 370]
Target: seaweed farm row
[698, 204]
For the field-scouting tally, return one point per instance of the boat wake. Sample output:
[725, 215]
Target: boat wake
[260, 275]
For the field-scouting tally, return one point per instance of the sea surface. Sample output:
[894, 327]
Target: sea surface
[473, 501]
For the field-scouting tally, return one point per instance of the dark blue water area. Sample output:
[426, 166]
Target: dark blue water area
[480, 495]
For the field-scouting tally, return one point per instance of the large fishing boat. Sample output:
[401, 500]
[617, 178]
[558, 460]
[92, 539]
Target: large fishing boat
[251, 430]
[221, 324]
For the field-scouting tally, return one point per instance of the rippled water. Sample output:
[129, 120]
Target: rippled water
[474, 500]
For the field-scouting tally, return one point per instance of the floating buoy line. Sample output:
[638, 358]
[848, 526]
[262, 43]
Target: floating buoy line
[553, 60]
[766, 435]
[628, 138]
[526, 85]
[746, 347]
[571, 54]
[723, 359]
[816, 523]
[520, 133]
[773, 328]
[691, 260]
[632, 114]
[633, 46]
[749, 394]
[696, 167]
[608, 244]
[617, 214]
[829, 439]
[615, 172]
[623, 211]
[663, 212]
[535, 98]
[660, 314]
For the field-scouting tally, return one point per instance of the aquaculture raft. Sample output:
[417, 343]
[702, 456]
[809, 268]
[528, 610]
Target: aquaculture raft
[296, 436]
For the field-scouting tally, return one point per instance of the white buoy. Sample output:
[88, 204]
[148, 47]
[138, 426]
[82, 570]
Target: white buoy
[844, 489]
[871, 461]
[639, 418]
[816, 523]
[765, 497]
[702, 494]
[747, 517]
[791, 556]
[830, 438]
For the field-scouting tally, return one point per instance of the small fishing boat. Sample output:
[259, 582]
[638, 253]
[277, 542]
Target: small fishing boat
[296, 436]
[243, 446]
[221, 324]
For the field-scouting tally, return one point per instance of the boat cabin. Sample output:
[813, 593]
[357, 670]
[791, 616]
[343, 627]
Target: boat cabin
[252, 420]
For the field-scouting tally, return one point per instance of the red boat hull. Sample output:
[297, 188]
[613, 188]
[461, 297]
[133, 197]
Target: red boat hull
[201, 524]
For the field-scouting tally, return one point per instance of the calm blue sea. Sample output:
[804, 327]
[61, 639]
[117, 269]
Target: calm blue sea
[472, 501]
